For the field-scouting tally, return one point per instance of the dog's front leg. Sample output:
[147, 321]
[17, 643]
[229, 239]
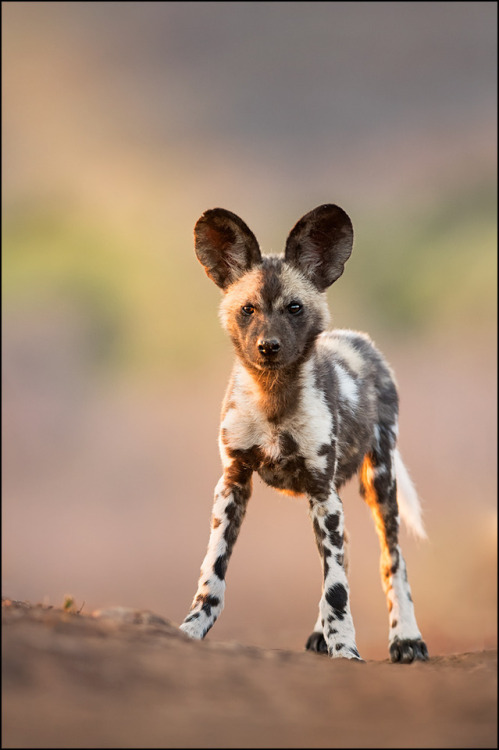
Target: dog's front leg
[334, 608]
[229, 508]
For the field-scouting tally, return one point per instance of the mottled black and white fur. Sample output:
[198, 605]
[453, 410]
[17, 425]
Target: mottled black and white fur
[306, 408]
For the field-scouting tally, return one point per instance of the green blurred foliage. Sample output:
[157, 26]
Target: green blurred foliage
[134, 295]
[148, 306]
[124, 122]
[422, 272]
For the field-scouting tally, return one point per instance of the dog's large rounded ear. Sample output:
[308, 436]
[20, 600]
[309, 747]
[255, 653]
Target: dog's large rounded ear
[320, 244]
[225, 246]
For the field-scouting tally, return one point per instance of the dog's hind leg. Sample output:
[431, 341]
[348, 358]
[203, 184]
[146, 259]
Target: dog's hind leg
[228, 512]
[378, 486]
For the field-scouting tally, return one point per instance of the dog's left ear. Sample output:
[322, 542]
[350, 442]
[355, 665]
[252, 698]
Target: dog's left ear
[320, 244]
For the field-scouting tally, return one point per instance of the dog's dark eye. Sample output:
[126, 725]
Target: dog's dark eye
[248, 309]
[294, 308]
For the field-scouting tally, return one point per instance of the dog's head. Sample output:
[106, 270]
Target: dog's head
[274, 308]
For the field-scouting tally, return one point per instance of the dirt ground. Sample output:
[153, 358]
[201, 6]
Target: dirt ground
[124, 678]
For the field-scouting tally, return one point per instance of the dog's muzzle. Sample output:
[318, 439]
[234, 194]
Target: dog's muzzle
[268, 347]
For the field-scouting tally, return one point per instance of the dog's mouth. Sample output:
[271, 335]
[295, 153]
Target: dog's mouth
[269, 363]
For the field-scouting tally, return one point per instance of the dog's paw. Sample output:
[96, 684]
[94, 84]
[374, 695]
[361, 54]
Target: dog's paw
[341, 651]
[316, 642]
[192, 626]
[407, 650]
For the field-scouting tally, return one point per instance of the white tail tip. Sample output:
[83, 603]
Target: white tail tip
[408, 500]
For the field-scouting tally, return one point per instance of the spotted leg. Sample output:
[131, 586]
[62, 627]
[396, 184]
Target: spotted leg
[316, 640]
[379, 488]
[334, 632]
[229, 508]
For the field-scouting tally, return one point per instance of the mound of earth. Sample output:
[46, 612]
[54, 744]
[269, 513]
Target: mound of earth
[127, 679]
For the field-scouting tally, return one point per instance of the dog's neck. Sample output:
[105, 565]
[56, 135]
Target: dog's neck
[277, 392]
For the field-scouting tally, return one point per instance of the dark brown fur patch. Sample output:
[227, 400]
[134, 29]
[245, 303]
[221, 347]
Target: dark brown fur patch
[272, 286]
[337, 598]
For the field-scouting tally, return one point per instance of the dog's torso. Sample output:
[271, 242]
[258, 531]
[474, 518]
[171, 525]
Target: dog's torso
[344, 395]
[306, 408]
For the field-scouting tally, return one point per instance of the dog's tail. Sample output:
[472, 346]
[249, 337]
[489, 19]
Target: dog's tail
[408, 500]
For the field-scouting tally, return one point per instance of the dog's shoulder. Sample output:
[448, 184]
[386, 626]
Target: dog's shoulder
[351, 349]
[353, 353]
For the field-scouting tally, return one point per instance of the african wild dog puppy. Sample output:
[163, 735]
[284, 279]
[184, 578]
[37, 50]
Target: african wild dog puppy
[306, 408]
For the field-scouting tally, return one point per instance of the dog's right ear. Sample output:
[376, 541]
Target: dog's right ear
[225, 246]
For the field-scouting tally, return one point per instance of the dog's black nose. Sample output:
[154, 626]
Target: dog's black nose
[268, 346]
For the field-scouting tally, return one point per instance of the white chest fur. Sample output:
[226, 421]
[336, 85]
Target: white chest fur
[310, 425]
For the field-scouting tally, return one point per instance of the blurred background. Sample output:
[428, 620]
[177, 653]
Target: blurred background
[122, 123]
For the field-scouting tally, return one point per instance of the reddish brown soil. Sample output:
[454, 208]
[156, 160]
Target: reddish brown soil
[131, 679]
